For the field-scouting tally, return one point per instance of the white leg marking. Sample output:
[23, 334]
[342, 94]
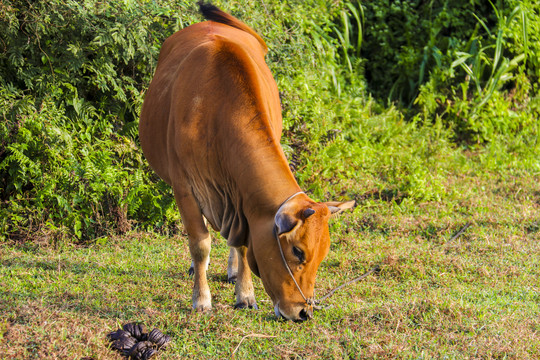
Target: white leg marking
[232, 266]
[200, 253]
[245, 296]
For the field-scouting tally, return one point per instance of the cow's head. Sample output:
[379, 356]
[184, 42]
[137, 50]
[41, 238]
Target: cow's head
[301, 230]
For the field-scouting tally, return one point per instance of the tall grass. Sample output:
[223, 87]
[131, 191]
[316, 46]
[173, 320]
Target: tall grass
[490, 59]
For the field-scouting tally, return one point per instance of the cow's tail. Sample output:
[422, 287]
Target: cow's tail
[211, 12]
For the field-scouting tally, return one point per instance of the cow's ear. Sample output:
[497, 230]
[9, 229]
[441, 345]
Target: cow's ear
[336, 207]
[284, 222]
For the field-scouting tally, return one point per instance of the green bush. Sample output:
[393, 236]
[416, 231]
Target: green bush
[393, 89]
[73, 78]
[448, 58]
[59, 172]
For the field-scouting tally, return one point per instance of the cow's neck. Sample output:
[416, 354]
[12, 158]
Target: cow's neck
[268, 185]
[260, 172]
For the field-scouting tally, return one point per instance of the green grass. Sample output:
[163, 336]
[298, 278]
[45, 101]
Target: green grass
[474, 296]
[419, 176]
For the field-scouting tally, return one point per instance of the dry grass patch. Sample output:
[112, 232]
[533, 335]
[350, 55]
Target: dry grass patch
[38, 332]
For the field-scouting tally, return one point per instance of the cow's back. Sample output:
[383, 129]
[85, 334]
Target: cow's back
[193, 81]
[211, 113]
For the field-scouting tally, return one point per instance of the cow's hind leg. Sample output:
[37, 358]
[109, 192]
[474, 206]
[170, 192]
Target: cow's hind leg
[232, 266]
[199, 247]
[245, 296]
[191, 270]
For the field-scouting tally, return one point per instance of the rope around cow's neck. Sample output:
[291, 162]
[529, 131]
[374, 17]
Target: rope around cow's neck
[312, 301]
[309, 301]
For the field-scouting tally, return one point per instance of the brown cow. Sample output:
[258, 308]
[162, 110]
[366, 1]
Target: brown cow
[210, 127]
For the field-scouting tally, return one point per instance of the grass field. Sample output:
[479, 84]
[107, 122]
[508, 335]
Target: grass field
[447, 183]
[438, 295]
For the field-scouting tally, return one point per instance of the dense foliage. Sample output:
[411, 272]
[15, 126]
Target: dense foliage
[448, 58]
[390, 88]
[73, 78]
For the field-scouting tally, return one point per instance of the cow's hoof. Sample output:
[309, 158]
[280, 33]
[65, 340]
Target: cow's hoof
[191, 271]
[202, 304]
[202, 308]
[244, 305]
[231, 279]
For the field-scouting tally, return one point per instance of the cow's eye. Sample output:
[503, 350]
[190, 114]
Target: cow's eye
[299, 254]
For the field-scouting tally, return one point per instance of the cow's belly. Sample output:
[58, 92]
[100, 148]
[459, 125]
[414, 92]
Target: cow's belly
[223, 210]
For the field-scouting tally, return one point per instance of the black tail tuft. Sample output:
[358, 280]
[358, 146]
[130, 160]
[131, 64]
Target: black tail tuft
[209, 11]
[213, 13]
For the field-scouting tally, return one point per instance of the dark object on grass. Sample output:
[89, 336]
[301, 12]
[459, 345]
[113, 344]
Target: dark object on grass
[147, 354]
[136, 330]
[118, 334]
[124, 344]
[139, 351]
[158, 338]
[133, 342]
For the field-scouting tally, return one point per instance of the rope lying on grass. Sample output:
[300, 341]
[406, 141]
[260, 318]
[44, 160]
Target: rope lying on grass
[251, 335]
[375, 269]
[458, 234]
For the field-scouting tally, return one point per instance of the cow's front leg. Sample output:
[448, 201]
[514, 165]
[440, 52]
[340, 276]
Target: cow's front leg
[199, 246]
[200, 253]
[245, 296]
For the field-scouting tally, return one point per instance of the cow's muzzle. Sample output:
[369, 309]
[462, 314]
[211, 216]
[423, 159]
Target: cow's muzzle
[304, 313]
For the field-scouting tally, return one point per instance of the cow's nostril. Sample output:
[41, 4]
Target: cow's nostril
[305, 314]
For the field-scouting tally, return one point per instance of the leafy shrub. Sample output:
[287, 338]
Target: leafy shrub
[449, 58]
[73, 76]
[59, 172]
[406, 40]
